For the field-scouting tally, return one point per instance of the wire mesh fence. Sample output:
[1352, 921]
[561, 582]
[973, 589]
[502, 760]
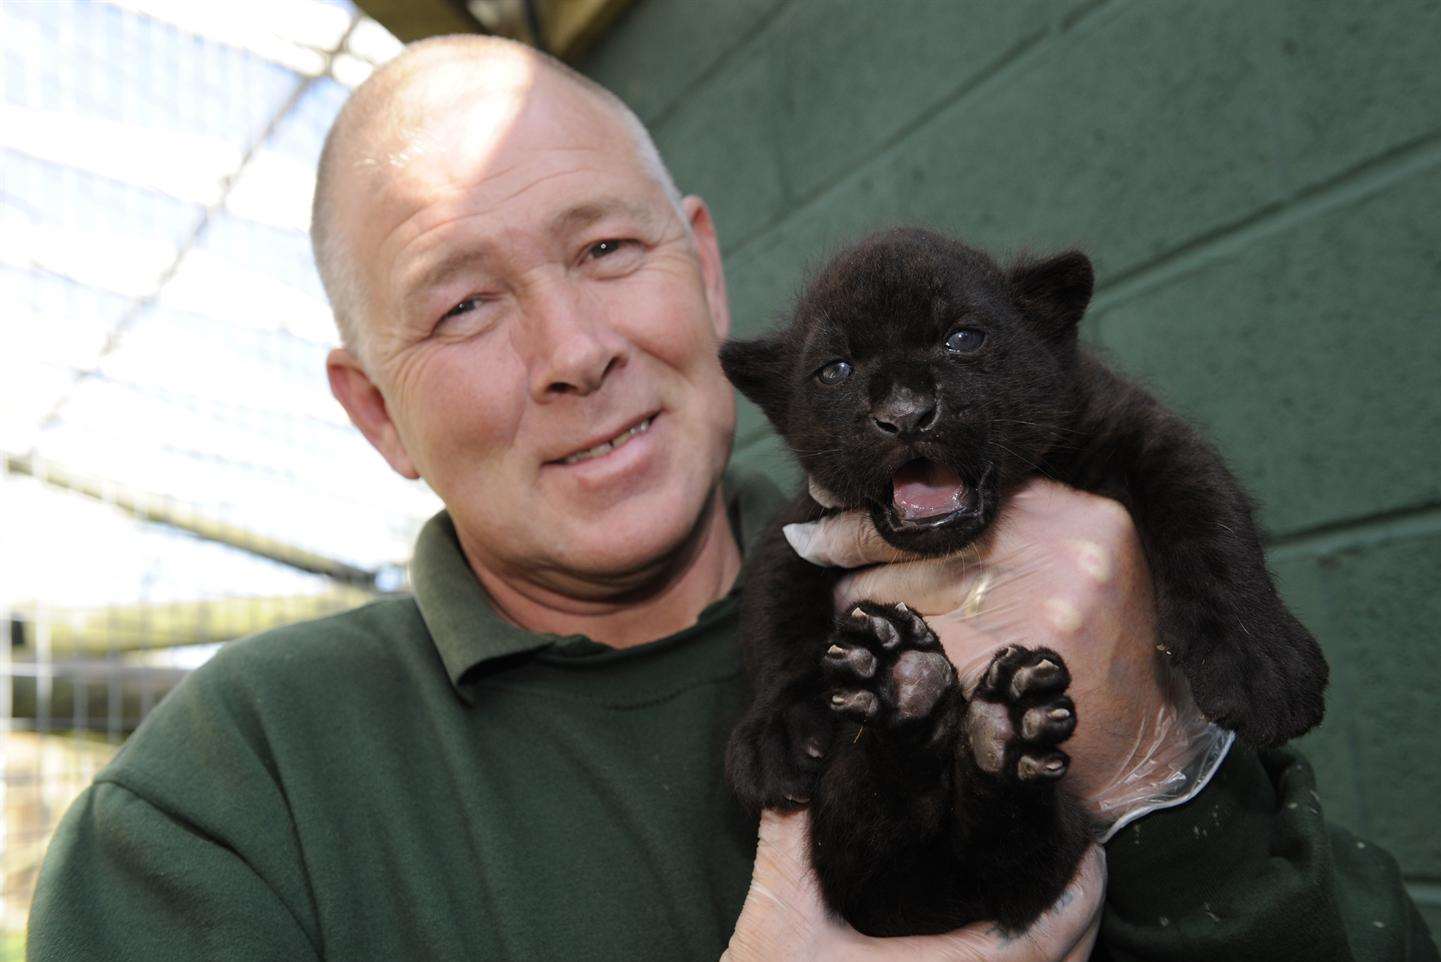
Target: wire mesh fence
[173, 472]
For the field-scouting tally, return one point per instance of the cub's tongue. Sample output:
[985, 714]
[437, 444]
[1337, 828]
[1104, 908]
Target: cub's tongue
[924, 489]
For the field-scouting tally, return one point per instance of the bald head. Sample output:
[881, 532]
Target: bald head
[383, 126]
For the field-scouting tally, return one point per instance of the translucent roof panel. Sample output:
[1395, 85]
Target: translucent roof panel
[300, 133]
[105, 233]
[276, 186]
[134, 97]
[165, 332]
[162, 564]
[275, 272]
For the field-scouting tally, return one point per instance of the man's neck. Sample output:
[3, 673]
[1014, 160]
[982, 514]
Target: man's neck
[702, 571]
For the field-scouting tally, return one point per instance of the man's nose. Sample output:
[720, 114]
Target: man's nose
[573, 345]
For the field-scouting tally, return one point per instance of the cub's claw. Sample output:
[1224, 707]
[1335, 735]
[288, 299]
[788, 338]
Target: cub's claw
[775, 754]
[1019, 713]
[886, 664]
[857, 661]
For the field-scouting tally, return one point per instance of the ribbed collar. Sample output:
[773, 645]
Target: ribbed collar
[463, 623]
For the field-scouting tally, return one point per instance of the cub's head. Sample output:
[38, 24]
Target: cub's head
[921, 380]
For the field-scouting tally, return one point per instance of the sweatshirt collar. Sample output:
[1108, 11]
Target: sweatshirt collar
[462, 620]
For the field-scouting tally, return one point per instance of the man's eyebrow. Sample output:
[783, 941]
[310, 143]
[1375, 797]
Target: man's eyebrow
[575, 218]
[583, 215]
[454, 261]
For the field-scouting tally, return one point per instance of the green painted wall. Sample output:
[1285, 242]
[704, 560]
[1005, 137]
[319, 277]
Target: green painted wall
[1259, 184]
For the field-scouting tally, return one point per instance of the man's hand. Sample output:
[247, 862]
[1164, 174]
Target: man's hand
[1063, 569]
[784, 920]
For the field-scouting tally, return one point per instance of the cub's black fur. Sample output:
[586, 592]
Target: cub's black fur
[914, 360]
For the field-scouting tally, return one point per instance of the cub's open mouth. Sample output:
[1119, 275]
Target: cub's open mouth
[929, 494]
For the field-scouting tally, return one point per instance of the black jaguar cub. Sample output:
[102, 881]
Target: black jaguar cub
[922, 381]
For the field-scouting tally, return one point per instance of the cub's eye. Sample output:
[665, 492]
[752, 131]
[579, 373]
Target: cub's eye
[965, 340]
[834, 372]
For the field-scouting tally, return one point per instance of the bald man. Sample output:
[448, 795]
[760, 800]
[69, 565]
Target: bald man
[523, 760]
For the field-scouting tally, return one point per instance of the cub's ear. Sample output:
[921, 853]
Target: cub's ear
[758, 370]
[1054, 292]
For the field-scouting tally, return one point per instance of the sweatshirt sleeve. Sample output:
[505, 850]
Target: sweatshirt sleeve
[124, 880]
[1250, 869]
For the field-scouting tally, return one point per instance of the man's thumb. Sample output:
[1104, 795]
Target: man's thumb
[844, 540]
[781, 856]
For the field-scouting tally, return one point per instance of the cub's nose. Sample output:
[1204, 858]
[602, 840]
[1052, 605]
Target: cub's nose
[904, 413]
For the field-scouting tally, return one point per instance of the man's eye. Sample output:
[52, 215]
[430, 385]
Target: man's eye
[605, 247]
[613, 257]
[834, 372]
[464, 307]
[965, 340]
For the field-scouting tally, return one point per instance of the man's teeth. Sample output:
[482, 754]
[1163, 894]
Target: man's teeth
[605, 447]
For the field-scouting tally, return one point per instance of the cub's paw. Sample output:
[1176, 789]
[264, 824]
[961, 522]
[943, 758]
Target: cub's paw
[1019, 713]
[1266, 681]
[885, 664]
[775, 754]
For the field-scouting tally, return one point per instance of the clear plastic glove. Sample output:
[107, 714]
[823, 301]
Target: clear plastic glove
[784, 920]
[1063, 569]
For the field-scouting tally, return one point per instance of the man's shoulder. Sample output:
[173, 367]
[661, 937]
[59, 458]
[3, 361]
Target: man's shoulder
[324, 658]
[313, 651]
[267, 695]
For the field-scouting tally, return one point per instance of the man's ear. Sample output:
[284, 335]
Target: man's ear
[363, 401]
[712, 272]
[758, 370]
[1054, 292]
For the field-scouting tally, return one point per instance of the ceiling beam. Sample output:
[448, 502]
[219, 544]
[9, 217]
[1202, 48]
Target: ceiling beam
[567, 27]
[412, 20]
[168, 512]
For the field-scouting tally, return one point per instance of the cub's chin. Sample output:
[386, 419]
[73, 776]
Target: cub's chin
[933, 509]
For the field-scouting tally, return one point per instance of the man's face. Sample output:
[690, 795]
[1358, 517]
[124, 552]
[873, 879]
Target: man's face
[534, 296]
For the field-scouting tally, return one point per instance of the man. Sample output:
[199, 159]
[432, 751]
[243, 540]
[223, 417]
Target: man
[524, 760]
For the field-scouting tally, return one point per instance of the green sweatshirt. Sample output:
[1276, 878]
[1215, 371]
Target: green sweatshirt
[417, 779]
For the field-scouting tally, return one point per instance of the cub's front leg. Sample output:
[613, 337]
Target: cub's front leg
[1252, 666]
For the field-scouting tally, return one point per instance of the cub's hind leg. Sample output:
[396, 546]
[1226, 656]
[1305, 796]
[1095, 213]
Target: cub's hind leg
[922, 824]
[884, 797]
[777, 748]
[1017, 830]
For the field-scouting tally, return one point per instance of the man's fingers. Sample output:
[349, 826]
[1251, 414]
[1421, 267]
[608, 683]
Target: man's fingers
[848, 539]
[845, 540]
[1031, 515]
[783, 918]
[782, 880]
[931, 585]
[782, 839]
[1066, 932]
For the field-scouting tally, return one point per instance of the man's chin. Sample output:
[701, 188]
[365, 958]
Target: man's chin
[640, 540]
[594, 548]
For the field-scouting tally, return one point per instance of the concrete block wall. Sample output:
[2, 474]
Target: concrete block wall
[1259, 185]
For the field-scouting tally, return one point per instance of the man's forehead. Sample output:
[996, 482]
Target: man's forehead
[494, 141]
[479, 149]
[475, 111]
[408, 92]
[554, 180]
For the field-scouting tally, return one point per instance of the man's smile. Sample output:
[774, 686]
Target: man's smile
[590, 450]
